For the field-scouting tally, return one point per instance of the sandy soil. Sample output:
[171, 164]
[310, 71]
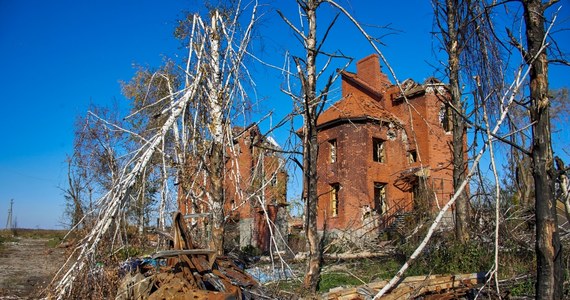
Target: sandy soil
[26, 267]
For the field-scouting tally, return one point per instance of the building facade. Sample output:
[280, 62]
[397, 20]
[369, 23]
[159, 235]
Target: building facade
[381, 153]
[255, 192]
[256, 189]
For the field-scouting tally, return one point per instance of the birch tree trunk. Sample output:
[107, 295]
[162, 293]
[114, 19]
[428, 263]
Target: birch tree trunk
[310, 152]
[216, 106]
[548, 248]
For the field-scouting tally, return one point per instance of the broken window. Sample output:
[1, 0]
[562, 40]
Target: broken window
[378, 154]
[334, 199]
[412, 156]
[380, 205]
[445, 118]
[332, 154]
[274, 180]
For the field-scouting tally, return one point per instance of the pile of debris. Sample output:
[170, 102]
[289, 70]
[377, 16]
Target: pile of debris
[424, 287]
[189, 273]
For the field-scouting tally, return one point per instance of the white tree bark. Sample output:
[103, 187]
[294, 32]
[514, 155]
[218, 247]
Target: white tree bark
[216, 91]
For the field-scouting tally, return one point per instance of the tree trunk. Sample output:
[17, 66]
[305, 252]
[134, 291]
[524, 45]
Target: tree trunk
[217, 207]
[74, 192]
[459, 166]
[548, 247]
[310, 152]
[525, 184]
[216, 105]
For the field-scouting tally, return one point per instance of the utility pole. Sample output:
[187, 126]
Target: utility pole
[9, 221]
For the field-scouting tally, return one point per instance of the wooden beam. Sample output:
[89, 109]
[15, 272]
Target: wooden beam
[411, 287]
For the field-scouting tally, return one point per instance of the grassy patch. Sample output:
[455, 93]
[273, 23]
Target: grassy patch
[523, 288]
[54, 237]
[347, 273]
[288, 286]
[336, 279]
[357, 272]
[35, 233]
[6, 236]
[54, 241]
[446, 256]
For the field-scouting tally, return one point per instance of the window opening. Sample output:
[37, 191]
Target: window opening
[333, 150]
[380, 205]
[445, 117]
[378, 154]
[412, 156]
[334, 199]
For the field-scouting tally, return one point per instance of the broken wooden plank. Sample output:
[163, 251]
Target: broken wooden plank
[410, 286]
[173, 253]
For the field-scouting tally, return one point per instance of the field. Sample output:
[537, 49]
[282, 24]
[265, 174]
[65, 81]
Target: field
[28, 258]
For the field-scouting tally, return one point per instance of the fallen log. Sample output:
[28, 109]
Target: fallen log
[346, 256]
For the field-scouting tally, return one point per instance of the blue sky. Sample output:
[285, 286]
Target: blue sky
[57, 57]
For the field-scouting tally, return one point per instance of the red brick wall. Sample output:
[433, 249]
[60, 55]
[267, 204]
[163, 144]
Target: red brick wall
[413, 127]
[248, 168]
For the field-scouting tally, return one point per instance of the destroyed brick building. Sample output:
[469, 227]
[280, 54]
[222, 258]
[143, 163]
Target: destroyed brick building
[255, 191]
[256, 188]
[379, 151]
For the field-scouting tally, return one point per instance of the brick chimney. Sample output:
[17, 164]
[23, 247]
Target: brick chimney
[368, 70]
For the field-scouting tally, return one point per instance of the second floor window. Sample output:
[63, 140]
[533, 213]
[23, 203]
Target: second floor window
[378, 152]
[334, 199]
[412, 156]
[333, 150]
[446, 118]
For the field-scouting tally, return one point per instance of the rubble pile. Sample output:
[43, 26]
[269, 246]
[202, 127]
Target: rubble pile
[189, 273]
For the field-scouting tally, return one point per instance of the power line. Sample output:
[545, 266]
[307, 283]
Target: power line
[9, 221]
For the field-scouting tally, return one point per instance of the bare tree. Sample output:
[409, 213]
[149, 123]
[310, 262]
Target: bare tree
[221, 95]
[94, 164]
[310, 103]
[212, 80]
[73, 194]
[453, 21]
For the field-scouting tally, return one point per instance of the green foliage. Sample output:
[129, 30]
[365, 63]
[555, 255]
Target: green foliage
[54, 241]
[347, 273]
[450, 257]
[6, 237]
[128, 252]
[523, 288]
[357, 272]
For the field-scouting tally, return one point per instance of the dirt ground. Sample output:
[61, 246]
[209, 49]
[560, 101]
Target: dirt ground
[27, 265]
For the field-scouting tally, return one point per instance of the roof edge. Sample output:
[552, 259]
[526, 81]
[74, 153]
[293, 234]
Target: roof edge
[351, 77]
[359, 119]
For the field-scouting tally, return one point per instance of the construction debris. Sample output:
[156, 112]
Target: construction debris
[189, 274]
[428, 287]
